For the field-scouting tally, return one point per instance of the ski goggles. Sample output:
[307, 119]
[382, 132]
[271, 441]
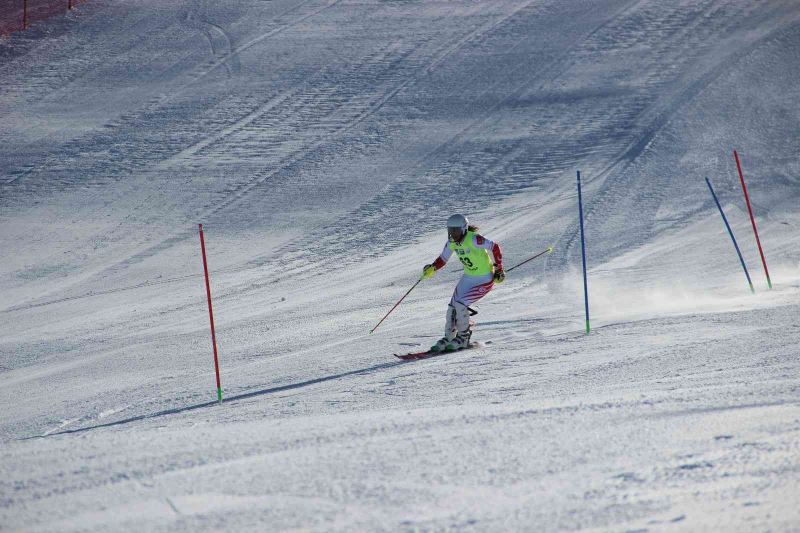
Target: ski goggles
[455, 234]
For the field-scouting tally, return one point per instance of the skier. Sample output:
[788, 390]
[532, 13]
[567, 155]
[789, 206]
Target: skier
[481, 272]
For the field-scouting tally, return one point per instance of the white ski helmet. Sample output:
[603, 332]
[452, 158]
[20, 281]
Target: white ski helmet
[457, 226]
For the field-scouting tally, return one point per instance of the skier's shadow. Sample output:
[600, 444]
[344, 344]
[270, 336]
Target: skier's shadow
[229, 399]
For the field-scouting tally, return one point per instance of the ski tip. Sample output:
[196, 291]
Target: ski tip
[413, 356]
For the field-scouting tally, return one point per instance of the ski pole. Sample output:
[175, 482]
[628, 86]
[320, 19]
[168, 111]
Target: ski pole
[395, 305]
[547, 251]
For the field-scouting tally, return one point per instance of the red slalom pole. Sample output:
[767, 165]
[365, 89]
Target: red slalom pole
[752, 218]
[210, 313]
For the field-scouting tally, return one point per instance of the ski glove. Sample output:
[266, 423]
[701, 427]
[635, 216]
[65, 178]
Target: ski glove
[499, 276]
[428, 271]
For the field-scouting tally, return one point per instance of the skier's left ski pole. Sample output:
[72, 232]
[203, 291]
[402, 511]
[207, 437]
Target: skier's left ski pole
[395, 305]
[540, 254]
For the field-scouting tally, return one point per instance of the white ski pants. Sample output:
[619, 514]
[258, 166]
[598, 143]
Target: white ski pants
[469, 290]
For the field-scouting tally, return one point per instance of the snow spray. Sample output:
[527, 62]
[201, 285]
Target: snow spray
[583, 255]
[752, 219]
[210, 313]
[730, 231]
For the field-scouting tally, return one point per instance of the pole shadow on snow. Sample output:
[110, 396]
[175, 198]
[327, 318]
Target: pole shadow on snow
[242, 396]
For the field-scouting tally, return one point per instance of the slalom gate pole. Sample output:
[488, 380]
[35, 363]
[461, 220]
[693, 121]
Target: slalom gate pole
[395, 305]
[730, 231]
[752, 218]
[210, 313]
[583, 255]
[547, 251]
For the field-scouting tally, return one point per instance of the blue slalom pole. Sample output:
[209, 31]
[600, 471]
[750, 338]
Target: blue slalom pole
[583, 255]
[730, 231]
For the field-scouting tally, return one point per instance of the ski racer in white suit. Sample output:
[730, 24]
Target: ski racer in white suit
[483, 267]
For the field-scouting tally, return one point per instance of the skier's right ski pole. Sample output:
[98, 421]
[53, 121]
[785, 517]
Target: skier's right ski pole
[549, 250]
[395, 305]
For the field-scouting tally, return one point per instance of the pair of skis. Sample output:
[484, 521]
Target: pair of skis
[415, 356]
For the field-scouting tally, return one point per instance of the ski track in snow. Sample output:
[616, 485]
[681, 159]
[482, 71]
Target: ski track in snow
[322, 144]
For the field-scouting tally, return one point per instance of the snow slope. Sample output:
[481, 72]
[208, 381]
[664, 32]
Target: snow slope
[322, 144]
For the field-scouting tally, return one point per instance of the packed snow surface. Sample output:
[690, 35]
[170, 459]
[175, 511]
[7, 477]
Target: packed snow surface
[322, 144]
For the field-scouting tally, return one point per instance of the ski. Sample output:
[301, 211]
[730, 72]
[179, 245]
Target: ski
[415, 356]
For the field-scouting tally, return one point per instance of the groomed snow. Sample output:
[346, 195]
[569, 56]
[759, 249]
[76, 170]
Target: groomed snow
[323, 144]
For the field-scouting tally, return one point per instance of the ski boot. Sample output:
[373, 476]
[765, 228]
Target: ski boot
[460, 341]
[440, 345]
